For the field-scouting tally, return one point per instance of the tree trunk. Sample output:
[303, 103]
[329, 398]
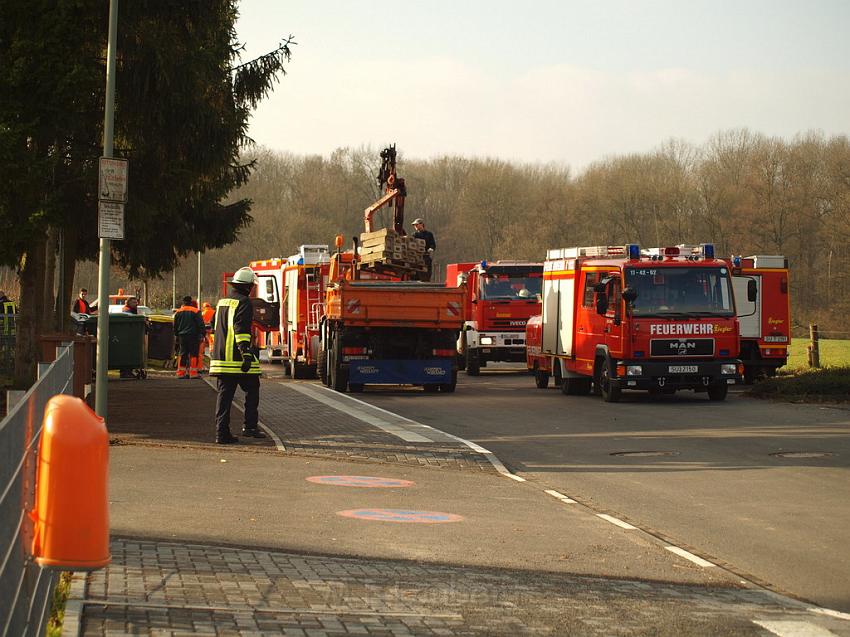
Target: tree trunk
[50, 319]
[65, 293]
[30, 311]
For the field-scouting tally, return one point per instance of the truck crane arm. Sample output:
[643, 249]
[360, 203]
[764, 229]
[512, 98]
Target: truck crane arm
[395, 192]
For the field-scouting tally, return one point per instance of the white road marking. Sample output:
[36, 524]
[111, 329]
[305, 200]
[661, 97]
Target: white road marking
[830, 613]
[435, 434]
[696, 559]
[278, 443]
[560, 496]
[394, 429]
[793, 628]
[613, 520]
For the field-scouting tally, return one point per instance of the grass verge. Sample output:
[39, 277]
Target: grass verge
[829, 384]
[57, 605]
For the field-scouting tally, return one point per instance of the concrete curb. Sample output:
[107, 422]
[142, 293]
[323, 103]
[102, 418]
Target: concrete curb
[72, 624]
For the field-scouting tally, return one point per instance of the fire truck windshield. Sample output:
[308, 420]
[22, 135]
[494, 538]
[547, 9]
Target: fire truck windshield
[677, 291]
[505, 286]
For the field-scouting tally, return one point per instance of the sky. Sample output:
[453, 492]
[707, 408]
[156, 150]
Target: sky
[547, 81]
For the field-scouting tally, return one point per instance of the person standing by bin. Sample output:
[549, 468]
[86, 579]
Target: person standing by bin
[81, 304]
[188, 331]
[233, 361]
[131, 306]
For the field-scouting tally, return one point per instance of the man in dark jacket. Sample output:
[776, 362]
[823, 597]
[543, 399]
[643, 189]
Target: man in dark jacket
[430, 245]
[233, 360]
[188, 330]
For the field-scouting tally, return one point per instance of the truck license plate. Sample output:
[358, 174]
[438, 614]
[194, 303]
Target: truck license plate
[682, 369]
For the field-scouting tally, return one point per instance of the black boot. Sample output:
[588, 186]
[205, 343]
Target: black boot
[253, 433]
[226, 439]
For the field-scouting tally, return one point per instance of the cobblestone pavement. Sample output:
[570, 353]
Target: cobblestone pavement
[165, 588]
[308, 427]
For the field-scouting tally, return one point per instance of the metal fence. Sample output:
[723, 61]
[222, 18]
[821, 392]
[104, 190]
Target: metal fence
[25, 588]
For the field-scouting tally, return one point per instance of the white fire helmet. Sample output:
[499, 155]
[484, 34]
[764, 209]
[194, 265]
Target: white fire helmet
[244, 275]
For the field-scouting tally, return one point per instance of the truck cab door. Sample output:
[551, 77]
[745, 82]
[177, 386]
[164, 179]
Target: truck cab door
[614, 316]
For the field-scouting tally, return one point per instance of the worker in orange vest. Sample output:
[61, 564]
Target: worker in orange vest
[208, 315]
[188, 330]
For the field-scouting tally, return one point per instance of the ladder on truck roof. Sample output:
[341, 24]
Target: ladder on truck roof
[588, 251]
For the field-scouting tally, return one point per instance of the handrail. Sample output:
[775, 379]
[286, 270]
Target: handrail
[26, 588]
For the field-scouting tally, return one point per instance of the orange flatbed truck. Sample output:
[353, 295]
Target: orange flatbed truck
[384, 331]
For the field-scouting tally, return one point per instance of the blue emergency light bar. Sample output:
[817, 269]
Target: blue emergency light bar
[633, 250]
[736, 261]
[707, 250]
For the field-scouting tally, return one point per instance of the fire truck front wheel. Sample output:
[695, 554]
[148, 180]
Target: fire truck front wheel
[718, 392]
[541, 379]
[611, 393]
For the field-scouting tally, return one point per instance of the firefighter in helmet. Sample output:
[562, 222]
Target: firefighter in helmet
[233, 361]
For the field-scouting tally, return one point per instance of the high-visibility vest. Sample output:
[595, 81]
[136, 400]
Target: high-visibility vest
[232, 326]
[8, 319]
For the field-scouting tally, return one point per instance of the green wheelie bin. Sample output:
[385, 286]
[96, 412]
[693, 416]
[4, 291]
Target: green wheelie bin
[126, 343]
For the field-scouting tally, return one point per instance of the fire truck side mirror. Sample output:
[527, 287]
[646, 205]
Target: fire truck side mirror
[752, 291]
[629, 295]
[601, 303]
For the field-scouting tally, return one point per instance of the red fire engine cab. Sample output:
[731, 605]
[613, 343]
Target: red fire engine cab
[286, 323]
[500, 298]
[760, 285]
[614, 319]
[766, 320]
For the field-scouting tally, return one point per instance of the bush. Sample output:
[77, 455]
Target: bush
[812, 385]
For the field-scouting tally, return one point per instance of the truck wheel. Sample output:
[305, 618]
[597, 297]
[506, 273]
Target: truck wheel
[717, 392]
[322, 366]
[355, 388]
[473, 363]
[461, 357]
[338, 376]
[449, 388]
[300, 370]
[431, 389]
[541, 379]
[610, 393]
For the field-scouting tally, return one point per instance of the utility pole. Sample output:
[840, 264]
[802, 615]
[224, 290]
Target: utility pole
[102, 369]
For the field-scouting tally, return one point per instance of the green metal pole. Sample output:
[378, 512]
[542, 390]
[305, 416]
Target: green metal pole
[102, 369]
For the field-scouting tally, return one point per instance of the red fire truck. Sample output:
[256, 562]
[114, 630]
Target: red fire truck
[760, 285]
[286, 324]
[766, 320]
[616, 319]
[500, 298]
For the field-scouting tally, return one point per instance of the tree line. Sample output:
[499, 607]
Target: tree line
[745, 192]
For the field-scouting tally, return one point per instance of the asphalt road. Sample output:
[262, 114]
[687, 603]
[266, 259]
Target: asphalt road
[703, 475]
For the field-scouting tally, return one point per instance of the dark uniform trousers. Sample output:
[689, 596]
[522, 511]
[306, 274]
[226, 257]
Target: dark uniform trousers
[226, 385]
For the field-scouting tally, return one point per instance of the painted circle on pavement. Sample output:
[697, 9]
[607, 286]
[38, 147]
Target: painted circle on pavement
[361, 481]
[401, 515]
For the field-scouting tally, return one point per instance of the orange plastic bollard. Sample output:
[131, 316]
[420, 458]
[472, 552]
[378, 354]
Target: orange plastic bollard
[72, 508]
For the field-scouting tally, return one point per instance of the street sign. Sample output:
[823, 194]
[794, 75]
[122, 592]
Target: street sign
[110, 220]
[112, 179]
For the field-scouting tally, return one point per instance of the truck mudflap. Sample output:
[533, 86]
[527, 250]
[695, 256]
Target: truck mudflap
[401, 372]
[673, 375]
